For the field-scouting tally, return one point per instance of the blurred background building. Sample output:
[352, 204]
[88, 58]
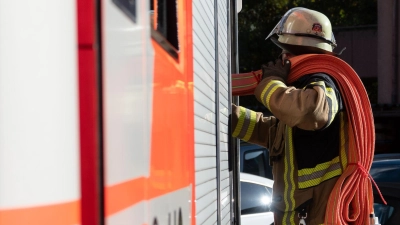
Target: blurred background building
[373, 51]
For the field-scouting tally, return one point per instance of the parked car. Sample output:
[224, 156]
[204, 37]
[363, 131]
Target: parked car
[385, 171]
[256, 196]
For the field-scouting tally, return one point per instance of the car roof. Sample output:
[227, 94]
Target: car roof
[386, 160]
[386, 168]
[248, 146]
[245, 177]
[386, 156]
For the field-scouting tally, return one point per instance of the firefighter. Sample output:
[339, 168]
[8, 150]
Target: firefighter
[306, 134]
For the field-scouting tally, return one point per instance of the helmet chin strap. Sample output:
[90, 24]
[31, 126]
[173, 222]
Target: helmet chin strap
[341, 51]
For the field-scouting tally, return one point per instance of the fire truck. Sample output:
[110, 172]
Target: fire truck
[117, 112]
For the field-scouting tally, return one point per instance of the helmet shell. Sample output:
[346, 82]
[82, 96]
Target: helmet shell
[303, 30]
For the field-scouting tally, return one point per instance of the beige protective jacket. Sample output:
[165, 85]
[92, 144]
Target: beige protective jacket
[306, 140]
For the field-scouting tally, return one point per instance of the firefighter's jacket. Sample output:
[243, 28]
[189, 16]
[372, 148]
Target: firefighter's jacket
[306, 139]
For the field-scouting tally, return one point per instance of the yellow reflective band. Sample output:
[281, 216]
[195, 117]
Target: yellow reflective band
[286, 181]
[316, 181]
[319, 167]
[239, 125]
[289, 216]
[291, 151]
[313, 176]
[335, 107]
[270, 94]
[288, 195]
[319, 83]
[265, 90]
[250, 129]
[274, 84]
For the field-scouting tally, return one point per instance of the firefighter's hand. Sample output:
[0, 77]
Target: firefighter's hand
[277, 69]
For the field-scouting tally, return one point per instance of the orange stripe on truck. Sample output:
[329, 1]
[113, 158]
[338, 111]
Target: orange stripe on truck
[60, 214]
[172, 130]
[123, 195]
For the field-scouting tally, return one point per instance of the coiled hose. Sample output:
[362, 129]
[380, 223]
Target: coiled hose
[351, 200]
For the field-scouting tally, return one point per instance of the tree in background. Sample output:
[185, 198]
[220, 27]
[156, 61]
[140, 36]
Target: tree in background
[259, 17]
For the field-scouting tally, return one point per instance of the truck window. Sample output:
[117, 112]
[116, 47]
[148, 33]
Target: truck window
[164, 23]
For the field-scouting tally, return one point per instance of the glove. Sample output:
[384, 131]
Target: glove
[278, 69]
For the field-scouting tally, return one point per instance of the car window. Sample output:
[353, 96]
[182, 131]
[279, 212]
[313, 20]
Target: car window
[255, 198]
[254, 162]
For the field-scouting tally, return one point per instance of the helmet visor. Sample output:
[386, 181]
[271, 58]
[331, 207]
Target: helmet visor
[279, 27]
[274, 31]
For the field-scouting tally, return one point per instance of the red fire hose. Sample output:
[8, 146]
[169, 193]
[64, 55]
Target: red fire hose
[351, 200]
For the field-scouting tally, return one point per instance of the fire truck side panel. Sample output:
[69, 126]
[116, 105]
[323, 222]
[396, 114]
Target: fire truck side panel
[103, 114]
[127, 92]
[128, 62]
[224, 105]
[148, 111]
[39, 132]
[172, 208]
[172, 143]
[211, 91]
[135, 213]
[205, 120]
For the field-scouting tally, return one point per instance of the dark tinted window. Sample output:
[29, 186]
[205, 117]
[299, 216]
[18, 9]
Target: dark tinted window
[254, 159]
[385, 171]
[167, 21]
[255, 198]
[255, 163]
[164, 22]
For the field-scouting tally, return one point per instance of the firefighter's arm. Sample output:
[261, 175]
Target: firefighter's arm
[252, 127]
[311, 108]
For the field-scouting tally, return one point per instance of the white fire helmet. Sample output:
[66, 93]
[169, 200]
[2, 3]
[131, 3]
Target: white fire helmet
[304, 31]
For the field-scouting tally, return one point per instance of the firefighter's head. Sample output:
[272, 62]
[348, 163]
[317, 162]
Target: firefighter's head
[304, 31]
